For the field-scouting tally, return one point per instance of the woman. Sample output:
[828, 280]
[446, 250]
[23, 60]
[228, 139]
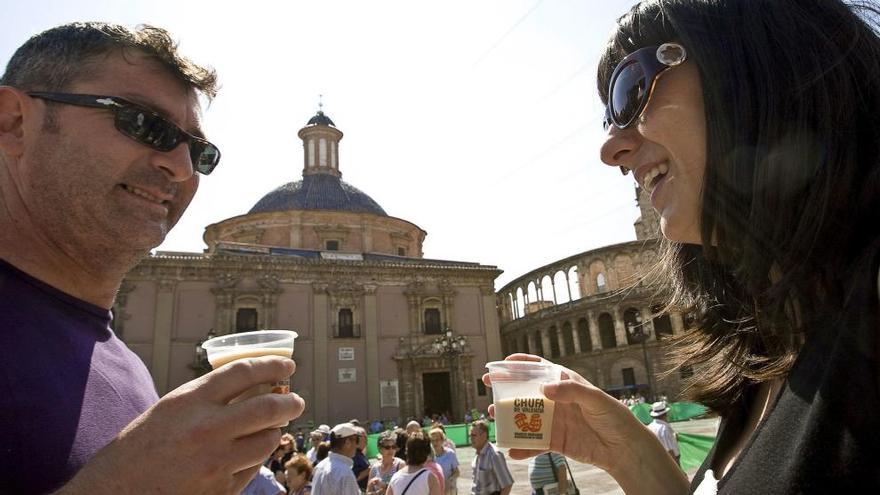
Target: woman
[298, 472]
[415, 478]
[754, 126]
[385, 465]
[446, 459]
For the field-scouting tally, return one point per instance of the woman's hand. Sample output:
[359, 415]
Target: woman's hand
[591, 426]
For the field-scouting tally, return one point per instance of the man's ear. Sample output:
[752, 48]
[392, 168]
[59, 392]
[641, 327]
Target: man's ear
[12, 113]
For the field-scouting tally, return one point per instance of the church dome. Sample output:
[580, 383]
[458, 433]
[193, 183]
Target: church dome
[318, 192]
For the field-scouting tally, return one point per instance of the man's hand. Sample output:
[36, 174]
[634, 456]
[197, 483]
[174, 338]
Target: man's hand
[193, 441]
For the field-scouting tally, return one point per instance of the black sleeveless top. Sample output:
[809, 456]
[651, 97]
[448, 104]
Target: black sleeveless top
[822, 434]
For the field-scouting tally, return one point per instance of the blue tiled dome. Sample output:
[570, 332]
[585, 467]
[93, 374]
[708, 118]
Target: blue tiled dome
[318, 192]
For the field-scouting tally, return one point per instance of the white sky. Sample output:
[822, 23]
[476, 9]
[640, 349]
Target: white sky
[477, 120]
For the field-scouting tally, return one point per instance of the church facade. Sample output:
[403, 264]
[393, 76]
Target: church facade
[384, 333]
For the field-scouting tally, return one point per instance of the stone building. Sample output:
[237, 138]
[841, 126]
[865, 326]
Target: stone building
[379, 325]
[597, 313]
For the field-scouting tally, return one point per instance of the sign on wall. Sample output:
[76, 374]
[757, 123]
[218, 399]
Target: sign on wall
[388, 393]
[347, 375]
[346, 353]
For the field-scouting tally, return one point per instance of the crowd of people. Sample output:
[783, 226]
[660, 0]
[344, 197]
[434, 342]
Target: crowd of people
[416, 460]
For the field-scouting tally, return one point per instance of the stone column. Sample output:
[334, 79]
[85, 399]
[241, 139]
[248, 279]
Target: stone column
[568, 285]
[319, 358]
[560, 339]
[648, 322]
[489, 325]
[594, 330]
[545, 342]
[575, 337]
[371, 356]
[619, 327]
[553, 284]
[164, 319]
[677, 323]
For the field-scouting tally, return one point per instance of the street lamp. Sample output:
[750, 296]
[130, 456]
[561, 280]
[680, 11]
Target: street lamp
[452, 347]
[640, 333]
[200, 364]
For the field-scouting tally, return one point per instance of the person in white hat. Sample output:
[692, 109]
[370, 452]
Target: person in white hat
[334, 476]
[663, 431]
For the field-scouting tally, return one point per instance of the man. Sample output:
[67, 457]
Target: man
[491, 476]
[334, 476]
[315, 438]
[100, 154]
[661, 429]
[360, 465]
[264, 483]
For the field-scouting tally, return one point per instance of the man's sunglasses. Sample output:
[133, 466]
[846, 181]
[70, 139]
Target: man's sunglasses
[144, 126]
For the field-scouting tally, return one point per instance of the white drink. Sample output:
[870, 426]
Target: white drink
[281, 387]
[524, 422]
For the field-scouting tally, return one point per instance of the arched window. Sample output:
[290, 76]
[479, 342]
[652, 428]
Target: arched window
[635, 329]
[662, 324]
[583, 329]
[246, 320]
[345, 327]
[606, 331]
[432, 321]
[554, 342]
[600, 282]
[567, 338]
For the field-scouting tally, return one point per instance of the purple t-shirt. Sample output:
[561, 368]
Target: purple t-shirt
[68, 385]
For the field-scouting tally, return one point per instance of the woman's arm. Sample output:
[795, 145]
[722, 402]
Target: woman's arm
[433, 485]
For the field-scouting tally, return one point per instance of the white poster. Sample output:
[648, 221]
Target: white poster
[388, 393]
[347, 375]
[346, 353]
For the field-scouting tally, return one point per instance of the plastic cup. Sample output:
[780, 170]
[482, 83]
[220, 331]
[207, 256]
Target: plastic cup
[232, 347]
[523, 416]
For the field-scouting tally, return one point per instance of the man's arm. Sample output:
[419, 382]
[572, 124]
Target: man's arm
[162, 451]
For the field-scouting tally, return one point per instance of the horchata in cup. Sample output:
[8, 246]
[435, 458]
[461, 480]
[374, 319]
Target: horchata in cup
[228, 348]
[523, 416]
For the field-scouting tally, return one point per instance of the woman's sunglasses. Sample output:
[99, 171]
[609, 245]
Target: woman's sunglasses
[633, 80]
[388, 446]
[144, 126]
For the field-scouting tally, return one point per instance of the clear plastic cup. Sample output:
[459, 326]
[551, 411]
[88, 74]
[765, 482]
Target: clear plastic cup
[523, 416]
[227, 348]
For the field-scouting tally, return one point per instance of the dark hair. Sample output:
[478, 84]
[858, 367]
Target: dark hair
[322, 451]
[54, 59]
[790, 195]
[418, 448]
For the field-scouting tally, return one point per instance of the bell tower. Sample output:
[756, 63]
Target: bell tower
[320, 139]
[648, 224]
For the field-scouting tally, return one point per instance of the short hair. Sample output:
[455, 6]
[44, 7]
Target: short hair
[301, 464]
[57, 57]
[388, 436]
[418, 448]
[482, 425]
[437, 431]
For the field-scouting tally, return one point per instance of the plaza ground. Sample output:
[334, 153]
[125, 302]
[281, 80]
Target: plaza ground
[590, 480]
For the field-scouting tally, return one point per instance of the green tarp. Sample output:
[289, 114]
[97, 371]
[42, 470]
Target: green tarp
[678, 411]
[694, 449]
